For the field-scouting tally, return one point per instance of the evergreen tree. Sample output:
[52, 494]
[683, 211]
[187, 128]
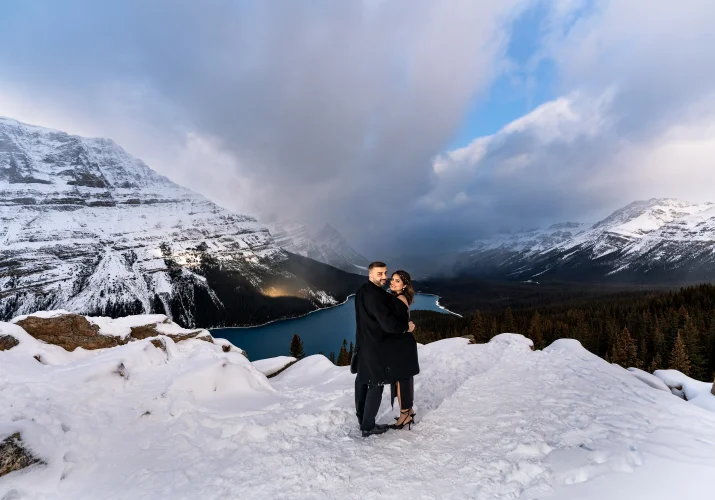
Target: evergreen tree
[509, 326]
[659, 341]
[343, 356]
[623, 351]
[351, 351]
[679, 356]
[682, 317]
[476, 327]
[494, 330]
[332, 357]
[642, 354]
[691, 338]
[296, 347]
[656, 364]
[536, 333]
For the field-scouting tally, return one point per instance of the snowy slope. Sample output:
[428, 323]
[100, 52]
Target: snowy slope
[664, 240]
[506, 250]
[630, 224]
[85, 226]
[533, 241]
[326, 245]
[495, 421]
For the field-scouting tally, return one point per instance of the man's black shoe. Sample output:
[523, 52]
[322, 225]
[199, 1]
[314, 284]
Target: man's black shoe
[378, 429]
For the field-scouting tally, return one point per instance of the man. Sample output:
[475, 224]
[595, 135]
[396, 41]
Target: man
[377, 319]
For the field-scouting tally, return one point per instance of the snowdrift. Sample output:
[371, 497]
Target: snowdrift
[156, 418]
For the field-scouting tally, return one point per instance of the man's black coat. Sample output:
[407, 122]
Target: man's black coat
[387, 352]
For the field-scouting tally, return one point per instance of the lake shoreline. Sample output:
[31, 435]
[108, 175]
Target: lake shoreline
[319, 332]
[284, 319]
[211, 328]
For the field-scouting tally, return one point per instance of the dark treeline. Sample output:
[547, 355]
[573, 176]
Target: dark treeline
[652, 330]
[465, 294]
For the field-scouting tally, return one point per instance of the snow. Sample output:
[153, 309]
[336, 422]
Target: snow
[269, 366]
[41, 314]
[495, 421]
[121, 327]
[649, 379]
[694, 391]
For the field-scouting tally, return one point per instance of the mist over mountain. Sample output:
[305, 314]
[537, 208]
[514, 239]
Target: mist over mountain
[326, 245]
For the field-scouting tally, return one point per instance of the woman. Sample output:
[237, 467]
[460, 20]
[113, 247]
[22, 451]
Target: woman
[404, 348]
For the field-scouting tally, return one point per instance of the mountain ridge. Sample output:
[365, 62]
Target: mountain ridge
[662, 240]
[88, 227]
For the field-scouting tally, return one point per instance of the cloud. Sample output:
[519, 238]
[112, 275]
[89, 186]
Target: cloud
[340, 111]
[635, 121]
[324, 110]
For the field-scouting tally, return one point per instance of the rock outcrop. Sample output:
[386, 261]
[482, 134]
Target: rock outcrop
[14, 456]
[7, 342]
[68, 331]
[71, 331]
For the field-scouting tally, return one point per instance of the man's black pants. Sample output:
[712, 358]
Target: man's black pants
[367, 403]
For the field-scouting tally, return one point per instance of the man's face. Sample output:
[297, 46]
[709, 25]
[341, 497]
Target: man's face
[378, 275]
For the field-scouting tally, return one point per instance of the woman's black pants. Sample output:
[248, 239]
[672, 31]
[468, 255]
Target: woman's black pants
[407, 393]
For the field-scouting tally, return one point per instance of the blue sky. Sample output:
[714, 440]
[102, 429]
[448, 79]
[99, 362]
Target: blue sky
[519, 88]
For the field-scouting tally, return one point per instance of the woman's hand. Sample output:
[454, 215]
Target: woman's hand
[411, 327]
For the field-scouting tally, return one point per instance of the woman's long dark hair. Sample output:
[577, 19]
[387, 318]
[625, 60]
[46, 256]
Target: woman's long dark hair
[407, 281]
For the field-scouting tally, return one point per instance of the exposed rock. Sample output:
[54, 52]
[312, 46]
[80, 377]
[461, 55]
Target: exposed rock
[147, 331]
[470, 338]
[68, 331]
[7, 342]
[13, 456]
[159, 343]
[282, 369]
[122, 371]
[206, 338]
[144, 332]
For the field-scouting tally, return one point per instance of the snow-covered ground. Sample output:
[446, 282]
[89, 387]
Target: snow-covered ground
[496, 421]
[694, 391]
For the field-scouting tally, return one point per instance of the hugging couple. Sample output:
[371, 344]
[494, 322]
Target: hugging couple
[385, 349]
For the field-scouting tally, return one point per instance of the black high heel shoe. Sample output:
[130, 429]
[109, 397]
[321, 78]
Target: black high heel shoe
[413, 415]
[407, 422]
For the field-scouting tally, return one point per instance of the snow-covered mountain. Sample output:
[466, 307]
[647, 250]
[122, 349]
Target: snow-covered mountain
[504, 250]
[161, 418]
[658, 240]
[85, 226]
[326, 245]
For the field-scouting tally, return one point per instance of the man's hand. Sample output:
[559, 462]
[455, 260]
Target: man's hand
[412, 327]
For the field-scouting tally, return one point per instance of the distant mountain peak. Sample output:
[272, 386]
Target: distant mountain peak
[657, 240]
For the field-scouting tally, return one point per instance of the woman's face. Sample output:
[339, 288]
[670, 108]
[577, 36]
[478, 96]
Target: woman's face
[396, 284]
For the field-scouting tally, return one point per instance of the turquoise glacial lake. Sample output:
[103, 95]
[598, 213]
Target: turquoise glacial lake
[322, 330]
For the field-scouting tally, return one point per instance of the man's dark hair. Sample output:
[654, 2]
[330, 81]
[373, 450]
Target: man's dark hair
[376, 264]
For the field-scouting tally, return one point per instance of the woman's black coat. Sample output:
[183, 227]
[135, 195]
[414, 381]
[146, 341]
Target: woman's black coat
[387, 352]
